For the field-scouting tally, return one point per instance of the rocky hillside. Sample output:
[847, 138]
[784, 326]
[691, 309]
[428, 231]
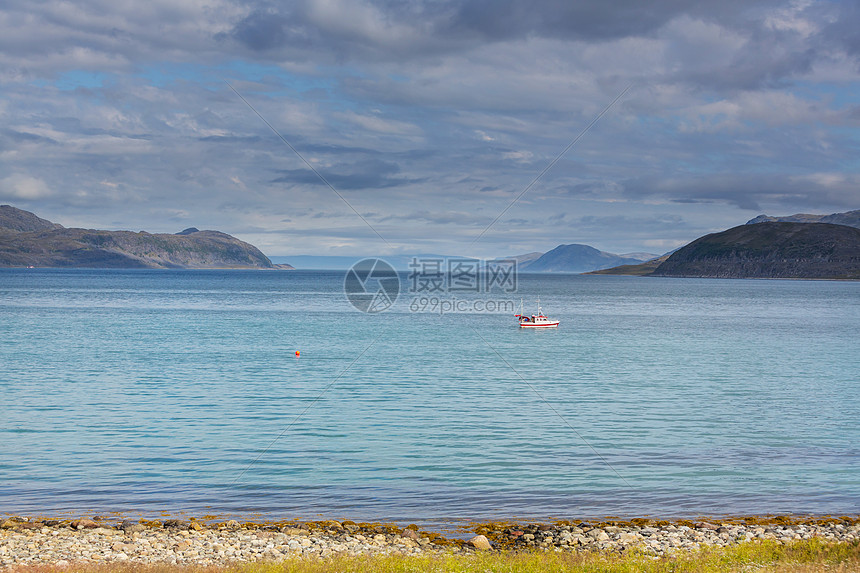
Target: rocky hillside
[12, 219]
[770, 250]
[26, 240]
[849, 218]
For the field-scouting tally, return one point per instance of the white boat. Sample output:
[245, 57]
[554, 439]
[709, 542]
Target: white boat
[536, 320]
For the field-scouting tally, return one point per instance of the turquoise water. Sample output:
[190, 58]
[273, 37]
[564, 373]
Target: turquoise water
[180, 391]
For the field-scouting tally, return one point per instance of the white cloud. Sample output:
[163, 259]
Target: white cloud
[24, 187]
[381, 125]
[791, 18]
[517, 155]
[239, 183]
[750, 110]
[359, 20]
[831, 181]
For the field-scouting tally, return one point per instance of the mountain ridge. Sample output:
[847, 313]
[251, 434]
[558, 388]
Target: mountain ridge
[848, 218]
[29, 240]
[770, 250]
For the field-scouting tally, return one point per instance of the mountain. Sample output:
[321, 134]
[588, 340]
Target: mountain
[26, 239]
[575, 259]
[849, 218]
[12, 219]
[770, 250]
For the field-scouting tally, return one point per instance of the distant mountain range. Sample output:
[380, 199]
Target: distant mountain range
[563, 259]
[795, 246]
[798, 247]
[28, 240]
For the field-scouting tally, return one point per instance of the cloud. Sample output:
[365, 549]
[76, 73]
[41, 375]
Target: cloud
[262, 30]
[517, 155]
[374, 123]
[752, 191]
[751, 109]
[331, 28]
[369, 174]
[588, 20]
[440, 218]
[23, 187]
[52, 37]
[840, 29]
[109, 36]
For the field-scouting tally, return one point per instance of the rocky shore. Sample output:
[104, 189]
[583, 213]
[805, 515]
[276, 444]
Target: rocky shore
[661, 538]
[31, 541]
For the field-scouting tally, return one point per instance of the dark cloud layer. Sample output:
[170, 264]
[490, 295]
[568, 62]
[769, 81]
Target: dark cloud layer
[442, 27]
[587, 20]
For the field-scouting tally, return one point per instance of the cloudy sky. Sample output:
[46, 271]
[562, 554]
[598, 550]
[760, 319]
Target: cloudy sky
[428, 119]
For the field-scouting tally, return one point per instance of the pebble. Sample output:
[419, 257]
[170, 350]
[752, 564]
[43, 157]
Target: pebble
[25, 541]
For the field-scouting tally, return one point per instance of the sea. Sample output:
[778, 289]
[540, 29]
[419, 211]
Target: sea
[267, 395]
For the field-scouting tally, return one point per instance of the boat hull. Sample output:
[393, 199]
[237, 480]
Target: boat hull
[552, 324]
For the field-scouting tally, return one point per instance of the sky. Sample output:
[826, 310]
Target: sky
[336, 127]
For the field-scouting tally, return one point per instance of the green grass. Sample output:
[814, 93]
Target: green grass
[797, 557]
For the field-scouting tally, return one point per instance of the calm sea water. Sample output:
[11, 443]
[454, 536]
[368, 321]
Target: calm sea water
[179, 391]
